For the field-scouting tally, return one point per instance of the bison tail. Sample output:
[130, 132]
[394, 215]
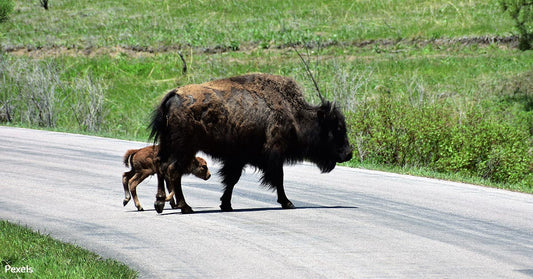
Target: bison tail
[128, 157]
[158, 120]
[159, 117]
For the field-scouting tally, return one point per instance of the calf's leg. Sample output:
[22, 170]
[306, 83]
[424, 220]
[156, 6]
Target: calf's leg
[125, 181]
[134, 181]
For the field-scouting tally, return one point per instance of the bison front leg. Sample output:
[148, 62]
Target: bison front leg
[274, 177]
[175, 182]
[161, 195]
[170, 196]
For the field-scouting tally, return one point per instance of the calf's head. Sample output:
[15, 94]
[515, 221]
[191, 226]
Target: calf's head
[199, 168]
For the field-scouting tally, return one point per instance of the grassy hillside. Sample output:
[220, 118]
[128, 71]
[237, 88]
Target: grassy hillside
[429, 87]
[231, 24]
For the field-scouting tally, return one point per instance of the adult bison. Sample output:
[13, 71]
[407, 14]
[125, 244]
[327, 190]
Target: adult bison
[256, 119]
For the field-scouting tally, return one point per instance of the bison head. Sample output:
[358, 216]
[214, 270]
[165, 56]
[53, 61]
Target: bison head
[333, 146]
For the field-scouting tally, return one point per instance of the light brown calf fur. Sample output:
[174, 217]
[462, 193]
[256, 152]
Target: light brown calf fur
[143, 163]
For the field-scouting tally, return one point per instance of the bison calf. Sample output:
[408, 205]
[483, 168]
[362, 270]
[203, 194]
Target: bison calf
[143, 163]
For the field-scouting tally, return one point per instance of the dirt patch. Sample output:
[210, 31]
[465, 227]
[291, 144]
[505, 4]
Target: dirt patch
[510, 41]
[75, 52]
[139, 51]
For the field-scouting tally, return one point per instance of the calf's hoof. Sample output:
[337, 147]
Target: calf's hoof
[288, 205]
[226, 207]
[159, 205]
[140, 209]
[125, 201]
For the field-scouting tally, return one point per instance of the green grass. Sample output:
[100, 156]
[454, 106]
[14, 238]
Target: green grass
[233, 24]
[43, 257]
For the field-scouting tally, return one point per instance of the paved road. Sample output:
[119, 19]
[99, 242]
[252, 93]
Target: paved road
[350, 223]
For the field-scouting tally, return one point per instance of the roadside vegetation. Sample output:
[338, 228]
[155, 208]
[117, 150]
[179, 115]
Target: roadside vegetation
[28, 254]
[439, 88]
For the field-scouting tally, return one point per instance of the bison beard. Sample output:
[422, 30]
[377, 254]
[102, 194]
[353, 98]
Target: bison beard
[258, 119]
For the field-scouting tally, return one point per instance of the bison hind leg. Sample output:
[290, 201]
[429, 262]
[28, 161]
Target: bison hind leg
[231, 173]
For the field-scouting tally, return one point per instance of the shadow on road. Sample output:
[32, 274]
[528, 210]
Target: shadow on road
[197, 211]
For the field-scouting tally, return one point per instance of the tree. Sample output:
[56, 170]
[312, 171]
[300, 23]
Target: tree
[522, 13]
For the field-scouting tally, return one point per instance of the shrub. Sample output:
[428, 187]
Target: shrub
[483, 147]
[6, 7]
[33, 92]
[522, 13]
[389, 130]
[89, 106]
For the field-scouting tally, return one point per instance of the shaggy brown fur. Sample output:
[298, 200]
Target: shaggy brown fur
[144, 162]
[257, 119]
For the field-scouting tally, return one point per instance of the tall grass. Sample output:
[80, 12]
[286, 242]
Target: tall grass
[34, 93]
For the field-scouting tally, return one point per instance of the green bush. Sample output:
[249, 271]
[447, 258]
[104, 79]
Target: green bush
[522, 13]
[6, 7]
[387, 129]
[483, 147]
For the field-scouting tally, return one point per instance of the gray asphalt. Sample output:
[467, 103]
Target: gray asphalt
[350, 223]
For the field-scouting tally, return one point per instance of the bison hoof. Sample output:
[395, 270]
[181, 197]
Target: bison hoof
[186, 210]
[159, 205]
[226, 207]
[288, 205]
